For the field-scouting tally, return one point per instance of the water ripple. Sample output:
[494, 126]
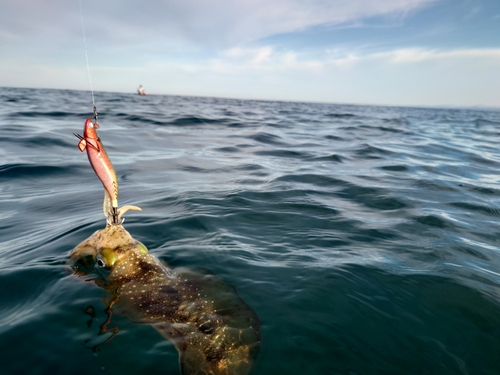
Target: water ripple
[354, 232]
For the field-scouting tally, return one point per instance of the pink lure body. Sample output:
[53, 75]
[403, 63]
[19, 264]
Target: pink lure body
[99, 160]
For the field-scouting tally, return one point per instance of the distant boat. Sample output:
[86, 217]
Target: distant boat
[141, 90]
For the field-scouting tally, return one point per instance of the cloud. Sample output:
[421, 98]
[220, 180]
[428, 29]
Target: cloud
[461, 77]
[266, 58]
[226, 48]
[240, 59]
[253, 56]
[219, 23]
[415, 55]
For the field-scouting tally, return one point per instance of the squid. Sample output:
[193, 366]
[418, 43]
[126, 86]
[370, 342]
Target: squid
[212, 328]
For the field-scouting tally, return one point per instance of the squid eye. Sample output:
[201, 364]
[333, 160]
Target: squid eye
[100, 262]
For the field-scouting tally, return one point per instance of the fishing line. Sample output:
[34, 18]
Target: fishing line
[87, 59]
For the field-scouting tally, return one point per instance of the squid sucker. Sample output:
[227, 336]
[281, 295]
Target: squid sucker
[211, 327]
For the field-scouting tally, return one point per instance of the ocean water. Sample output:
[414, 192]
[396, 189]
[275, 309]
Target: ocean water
[365, 238]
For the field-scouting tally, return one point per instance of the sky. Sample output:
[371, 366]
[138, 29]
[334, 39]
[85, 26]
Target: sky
[439, 53]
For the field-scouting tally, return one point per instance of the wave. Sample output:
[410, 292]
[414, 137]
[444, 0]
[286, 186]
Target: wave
[14, 171]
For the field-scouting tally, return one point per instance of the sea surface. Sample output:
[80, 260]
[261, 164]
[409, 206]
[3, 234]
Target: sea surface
[365, 238]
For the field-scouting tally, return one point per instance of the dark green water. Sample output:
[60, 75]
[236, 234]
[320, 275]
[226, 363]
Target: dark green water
[365, 238]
